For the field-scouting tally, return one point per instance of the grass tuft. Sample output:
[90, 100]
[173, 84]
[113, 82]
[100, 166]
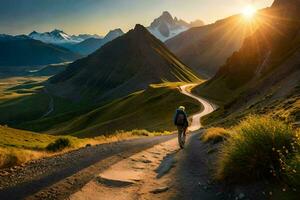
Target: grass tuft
[59, 144]
[260, 148]
[215, 135]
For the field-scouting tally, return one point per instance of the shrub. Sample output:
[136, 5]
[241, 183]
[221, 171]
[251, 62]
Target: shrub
[215, 135]
[293, 171]
[13, 156]
[257, 149]
[59, 144]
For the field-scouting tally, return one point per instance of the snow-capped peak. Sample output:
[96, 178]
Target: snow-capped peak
[166, 27]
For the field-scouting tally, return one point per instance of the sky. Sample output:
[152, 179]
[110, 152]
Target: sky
[100, 16]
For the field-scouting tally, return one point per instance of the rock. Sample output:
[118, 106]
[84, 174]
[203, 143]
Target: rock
[242, 196]
[4, 173]
[219, 193]
[146, 161]
[160, 190]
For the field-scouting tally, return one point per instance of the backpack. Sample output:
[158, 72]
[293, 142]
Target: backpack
[180, 119]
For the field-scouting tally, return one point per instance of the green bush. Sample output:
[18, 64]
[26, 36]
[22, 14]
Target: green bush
[259, 148]
[59, 144]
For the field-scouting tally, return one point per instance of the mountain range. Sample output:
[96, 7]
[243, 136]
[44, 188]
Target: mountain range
[125, 65]
[24, 51]
[60, 37]
[166, 27]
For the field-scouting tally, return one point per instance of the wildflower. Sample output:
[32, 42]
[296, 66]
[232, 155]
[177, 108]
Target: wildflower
[270, 193]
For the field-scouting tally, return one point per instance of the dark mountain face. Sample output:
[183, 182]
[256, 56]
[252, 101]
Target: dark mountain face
[276, 40]
[23, 51]
[263, 77]
[206, 48]
[125, 65]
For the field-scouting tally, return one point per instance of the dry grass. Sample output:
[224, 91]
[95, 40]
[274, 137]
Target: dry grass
[18, 146]
[215, 135]
[14, 156]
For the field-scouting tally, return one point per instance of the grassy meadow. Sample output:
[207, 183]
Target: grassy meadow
[23, 101]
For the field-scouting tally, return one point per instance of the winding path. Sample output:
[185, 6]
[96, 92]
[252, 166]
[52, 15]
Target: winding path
[51, 104]
[207, 107]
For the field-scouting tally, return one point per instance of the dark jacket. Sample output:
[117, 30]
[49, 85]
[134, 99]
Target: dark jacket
[186, 123]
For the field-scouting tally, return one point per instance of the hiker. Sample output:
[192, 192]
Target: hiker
[181, 121]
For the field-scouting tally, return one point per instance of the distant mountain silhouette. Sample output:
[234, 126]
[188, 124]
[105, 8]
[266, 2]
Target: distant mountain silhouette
[90, 45]
[24, 51]
[125, 65]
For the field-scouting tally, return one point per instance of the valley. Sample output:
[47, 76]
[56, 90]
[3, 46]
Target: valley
[85, 116]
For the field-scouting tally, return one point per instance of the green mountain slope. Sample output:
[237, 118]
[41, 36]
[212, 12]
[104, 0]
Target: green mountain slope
[151, 109]
[107, 91]
[127, 64]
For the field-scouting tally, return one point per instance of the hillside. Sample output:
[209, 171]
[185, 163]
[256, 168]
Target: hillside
[141, 110]
[126, 65]
[23, 51]
[263, 76]
[206, 48]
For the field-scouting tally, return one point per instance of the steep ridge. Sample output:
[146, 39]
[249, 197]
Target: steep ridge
[125, 65]
[206, 48]
[24, 51]
[263, 76]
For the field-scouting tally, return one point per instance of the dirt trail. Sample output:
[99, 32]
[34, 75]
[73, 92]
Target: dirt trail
[161, 172]
[207, 107]
[60, 176]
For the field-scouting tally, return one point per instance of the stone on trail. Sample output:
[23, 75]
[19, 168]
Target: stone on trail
[160, 190]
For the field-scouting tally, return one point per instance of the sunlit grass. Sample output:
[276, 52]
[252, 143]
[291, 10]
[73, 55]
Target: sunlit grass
[215, 135]
[259, 148]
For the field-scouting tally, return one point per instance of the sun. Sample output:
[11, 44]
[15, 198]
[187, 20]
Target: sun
[249, 12]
